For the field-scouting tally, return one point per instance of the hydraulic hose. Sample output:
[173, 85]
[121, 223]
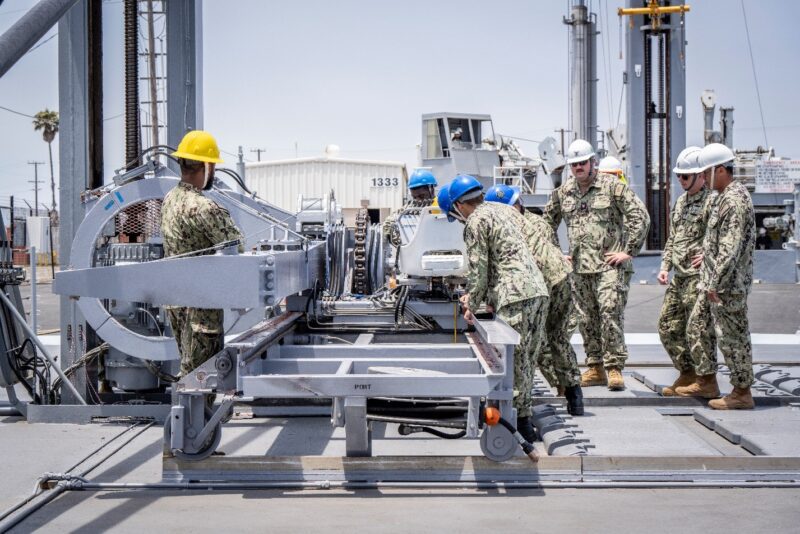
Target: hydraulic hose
[527, 448]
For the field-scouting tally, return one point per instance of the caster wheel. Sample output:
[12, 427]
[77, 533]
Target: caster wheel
[208, 447]
[498, 444]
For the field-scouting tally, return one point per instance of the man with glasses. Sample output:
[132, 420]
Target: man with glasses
[726, 277]
[606, 226]
[682, 299]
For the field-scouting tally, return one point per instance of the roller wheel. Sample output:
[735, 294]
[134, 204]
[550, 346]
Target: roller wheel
[208, 447]
[498, 444]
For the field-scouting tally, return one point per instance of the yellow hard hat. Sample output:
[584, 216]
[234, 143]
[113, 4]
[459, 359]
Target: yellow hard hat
[199, 146]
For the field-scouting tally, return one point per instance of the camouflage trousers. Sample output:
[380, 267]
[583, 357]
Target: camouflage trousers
[527, 317]
[198, 333]
[600, 299]
[685, 327]
[557, 360]
[733, 337]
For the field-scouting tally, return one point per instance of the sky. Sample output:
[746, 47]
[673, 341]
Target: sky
[359, 74]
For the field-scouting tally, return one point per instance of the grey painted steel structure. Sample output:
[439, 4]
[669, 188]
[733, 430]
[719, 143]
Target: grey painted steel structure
[583, 72]
[636, 106]
[184, 69]
[184, 88]
[73, 97]
[265, 363]
[31, 27]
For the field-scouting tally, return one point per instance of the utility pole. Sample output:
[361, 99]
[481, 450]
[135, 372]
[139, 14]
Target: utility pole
[562, 131]
[258, 152]
[35, 183]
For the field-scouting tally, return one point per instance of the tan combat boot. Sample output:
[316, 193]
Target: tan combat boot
[560, 391]
[684, 379]
[615, 380]
[739, 399]
[705, 386]
[595, 375]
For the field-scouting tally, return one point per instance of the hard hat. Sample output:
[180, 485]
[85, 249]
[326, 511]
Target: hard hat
[421, 178]
[686, 162]
[199, 146]
[609, 164]
[462, 186]
[713, 155]
[579, 150]
[505, 194]
[443, 199]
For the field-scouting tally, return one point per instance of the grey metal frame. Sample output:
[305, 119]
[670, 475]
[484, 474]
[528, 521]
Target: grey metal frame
[263, 363]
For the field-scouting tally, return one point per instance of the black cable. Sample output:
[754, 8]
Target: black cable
[236, 177]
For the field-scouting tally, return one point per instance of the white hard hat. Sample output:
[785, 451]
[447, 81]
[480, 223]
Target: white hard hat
[579, 150]
[713, 155]
[609, 164]
[686, 162]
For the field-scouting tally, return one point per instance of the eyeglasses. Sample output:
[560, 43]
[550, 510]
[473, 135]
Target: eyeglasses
[579, 163]
[684, 177]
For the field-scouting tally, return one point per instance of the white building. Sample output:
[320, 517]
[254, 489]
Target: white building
[379, 186]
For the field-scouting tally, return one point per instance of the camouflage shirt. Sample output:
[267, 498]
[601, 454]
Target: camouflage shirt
[729, 242]
[607, 218]
[190, 221]
[501, 269]
[688, 226]
[547, 255]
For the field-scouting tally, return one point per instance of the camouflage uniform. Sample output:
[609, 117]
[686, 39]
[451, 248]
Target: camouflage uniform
[191, 222]
[607, 218]
[557, 359]
[683, 304]
[503, 274]
[728, 269]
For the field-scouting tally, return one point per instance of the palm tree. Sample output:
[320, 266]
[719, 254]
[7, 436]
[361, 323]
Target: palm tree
[47, 122]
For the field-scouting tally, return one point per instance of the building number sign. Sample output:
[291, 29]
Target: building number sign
[385, 182]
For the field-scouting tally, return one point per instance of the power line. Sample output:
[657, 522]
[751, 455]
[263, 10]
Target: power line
[17, 112]
[755, 78]
[43, 42]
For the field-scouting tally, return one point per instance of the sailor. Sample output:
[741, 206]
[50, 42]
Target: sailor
[611, 165]
[502, 274]
[193, 224]
[557, 359]
[421, 186]
[606, 226]
[726, 277]
[682, 298]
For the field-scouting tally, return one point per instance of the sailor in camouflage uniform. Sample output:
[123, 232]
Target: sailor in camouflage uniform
[192, 222]
[557, 359]
[421, 185]
[688, 226]
[504, 275]
[606, 225]
[726, 277]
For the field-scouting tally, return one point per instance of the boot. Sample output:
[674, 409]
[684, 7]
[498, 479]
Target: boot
[739, 399]
[684, 379]
[525, 428]
[595, 375]
[705, 387]
[615, 380]
[105, 387]
[560, 391]
[574, 395]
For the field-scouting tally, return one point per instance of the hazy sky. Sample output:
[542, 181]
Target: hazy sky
[360, 73]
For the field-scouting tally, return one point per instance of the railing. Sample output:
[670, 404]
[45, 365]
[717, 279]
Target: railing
[522, 177]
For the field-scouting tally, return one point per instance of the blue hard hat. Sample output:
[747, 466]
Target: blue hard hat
[443, 199]
[462, 185]
[505, 194]
[421, 178]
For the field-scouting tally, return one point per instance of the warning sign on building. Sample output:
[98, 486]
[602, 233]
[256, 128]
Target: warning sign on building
[777, 176]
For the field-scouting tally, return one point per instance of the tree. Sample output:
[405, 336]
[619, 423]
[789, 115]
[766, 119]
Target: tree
[47, 122]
